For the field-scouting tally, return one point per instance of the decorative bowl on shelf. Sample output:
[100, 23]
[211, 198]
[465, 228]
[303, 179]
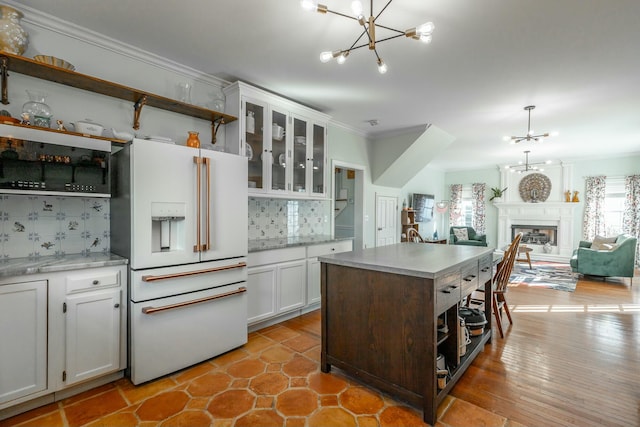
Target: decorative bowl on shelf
[56, 62]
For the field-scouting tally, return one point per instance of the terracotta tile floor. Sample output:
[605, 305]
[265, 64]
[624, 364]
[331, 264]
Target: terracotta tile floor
[274, 380]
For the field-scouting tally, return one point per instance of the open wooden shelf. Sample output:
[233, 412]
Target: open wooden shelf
[30, 67]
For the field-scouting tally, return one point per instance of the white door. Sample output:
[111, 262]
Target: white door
[23, 338]
[92, 334]
[261, 293]
[163, 186]
[224, 206]
[386, 220]
[313, 281]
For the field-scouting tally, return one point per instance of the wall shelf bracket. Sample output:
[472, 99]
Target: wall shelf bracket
[137, 109]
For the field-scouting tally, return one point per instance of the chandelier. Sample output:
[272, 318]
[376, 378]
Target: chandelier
[530, 134]
[422, 33]
[526, 166]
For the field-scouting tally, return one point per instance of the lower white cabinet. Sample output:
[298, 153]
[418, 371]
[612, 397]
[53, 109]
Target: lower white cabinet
[313, 265]
[23, 339]
[276, 282]
[60, 329]
[283, 280]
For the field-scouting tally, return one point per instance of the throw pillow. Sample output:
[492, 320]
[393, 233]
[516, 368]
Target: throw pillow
[598, 241]
[461, 233]
[608, 246]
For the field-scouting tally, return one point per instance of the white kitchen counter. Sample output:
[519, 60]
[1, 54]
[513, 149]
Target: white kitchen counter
[258, 245]
[49, 264]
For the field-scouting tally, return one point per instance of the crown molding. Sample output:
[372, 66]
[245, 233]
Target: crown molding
[54, 24]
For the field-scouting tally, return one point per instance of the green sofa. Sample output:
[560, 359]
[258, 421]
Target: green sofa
[618, 261]
[473, 240]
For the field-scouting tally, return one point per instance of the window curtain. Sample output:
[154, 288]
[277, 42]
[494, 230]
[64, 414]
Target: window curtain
[593, 223]
[478, 206]
[455, 207]
[631, 213]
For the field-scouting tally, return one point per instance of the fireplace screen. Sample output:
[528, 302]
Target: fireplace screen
[536, 234]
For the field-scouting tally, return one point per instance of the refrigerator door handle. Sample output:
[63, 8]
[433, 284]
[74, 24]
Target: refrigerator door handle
[197, 160]
[151, 310]
[207, 246]
[192, 273]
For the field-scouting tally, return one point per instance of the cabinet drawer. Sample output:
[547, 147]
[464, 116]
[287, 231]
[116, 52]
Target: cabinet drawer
[90, 280]
[329, 248]
[485, 272]
[469, 279]
[447, 291]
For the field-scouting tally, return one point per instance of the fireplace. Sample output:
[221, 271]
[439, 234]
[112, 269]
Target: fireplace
[536, 234]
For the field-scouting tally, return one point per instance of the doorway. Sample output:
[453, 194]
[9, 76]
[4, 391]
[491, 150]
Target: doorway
[348, 202]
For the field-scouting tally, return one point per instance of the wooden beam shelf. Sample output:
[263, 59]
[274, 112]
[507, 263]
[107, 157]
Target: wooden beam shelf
[139, 98]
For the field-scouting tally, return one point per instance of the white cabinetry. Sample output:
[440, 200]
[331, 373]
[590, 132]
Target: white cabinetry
[59, 330]
[285, 143]
[92, 310]
[23, 338]
[275, 282]
[313, 265]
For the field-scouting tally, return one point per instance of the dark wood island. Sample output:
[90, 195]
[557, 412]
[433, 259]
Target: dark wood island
[380, 309]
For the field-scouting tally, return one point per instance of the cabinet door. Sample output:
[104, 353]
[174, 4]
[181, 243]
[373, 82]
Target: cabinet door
[261, 293]
[292, 280]
[299, 152]
[317, 159]
[313, 280]
[255, 143]
[92, 334]
[278, 158]
[23, 338]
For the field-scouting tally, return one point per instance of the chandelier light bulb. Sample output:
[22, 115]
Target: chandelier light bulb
[382, 67]
[356, 8]
[426, 39]
[425, 29]
[342, 57]
[309, 4]
[326, 56]
[555, 133]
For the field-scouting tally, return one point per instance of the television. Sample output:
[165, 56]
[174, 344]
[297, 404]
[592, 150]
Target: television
[423, 205]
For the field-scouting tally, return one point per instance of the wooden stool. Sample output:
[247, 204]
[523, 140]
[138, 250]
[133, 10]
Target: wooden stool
[523, 254]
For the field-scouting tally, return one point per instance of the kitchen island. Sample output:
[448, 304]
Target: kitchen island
[380, 312]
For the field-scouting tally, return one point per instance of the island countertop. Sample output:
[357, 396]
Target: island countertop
[411, 259]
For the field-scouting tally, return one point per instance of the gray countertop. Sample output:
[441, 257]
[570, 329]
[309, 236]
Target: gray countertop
[411, 259]
[20, 266]
[287, 242]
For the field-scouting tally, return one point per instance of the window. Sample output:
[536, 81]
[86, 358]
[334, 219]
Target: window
[467, 206]
[613, 206]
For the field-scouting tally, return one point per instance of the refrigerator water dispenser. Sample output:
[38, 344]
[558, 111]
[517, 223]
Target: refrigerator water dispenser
[167, 226]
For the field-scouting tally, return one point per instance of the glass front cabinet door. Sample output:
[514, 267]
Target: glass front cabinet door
[254, 142]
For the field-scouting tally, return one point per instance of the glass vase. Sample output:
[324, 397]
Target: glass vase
[39, 112]
[13, 38]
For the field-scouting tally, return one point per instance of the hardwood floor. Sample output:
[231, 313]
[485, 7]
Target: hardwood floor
[569, 359]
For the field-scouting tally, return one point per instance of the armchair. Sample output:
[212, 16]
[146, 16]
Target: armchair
[472, 239]
[606, 259]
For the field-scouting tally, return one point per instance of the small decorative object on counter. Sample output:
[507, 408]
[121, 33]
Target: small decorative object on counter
[404, 205]
[39, 112]
[567, 196]
[13, 38]
[193, 140]
[25, 119]
[61, 125]
[547, 248]
[575, 197]
[251, 122]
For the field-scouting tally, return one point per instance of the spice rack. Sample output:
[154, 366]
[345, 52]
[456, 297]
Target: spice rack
[30, 67]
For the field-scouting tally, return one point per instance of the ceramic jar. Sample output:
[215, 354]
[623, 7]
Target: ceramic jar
[13, 38]
[193, 140]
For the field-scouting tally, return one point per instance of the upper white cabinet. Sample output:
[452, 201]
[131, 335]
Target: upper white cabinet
[284, 141]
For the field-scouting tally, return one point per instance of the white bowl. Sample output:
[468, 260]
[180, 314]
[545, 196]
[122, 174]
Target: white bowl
[88, 127]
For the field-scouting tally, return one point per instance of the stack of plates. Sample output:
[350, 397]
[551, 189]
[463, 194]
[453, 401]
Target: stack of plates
[300, 139]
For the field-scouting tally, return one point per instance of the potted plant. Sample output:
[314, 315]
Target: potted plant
[497, 194]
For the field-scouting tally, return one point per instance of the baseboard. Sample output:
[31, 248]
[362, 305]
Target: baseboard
[282, 317]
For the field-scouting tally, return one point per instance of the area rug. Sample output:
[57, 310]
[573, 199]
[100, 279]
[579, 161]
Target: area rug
[545, 275]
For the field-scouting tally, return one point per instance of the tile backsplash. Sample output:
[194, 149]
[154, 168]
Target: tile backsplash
[36, 226]
[277, 218]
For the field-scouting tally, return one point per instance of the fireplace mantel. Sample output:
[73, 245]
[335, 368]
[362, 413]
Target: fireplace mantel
[559, 214]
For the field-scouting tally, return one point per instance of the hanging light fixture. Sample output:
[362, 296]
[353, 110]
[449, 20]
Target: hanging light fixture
[530, 133]
[526, 166]
[422, 33]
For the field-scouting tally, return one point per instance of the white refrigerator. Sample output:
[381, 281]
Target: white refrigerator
[179, 214]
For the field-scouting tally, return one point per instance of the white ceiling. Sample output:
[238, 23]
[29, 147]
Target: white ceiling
[576, 60]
